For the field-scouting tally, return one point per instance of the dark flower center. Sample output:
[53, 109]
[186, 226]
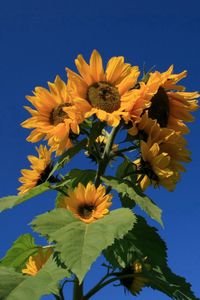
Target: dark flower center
[159, 108]
[146, 169]
[45, 174]
[104, 95]
[86, 210]
[57, 115]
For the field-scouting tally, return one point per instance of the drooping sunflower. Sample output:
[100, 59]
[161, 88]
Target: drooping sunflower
[169, 140]
[137, 282]
[55, 116]
[41, 166]
[109, 94]
[36, 262]
[155, 167]
[87, 203]
[170, 104]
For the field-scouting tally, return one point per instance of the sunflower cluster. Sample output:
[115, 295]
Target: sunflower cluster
[153, 110]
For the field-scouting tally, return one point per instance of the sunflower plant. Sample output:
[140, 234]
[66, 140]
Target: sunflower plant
[112, 116]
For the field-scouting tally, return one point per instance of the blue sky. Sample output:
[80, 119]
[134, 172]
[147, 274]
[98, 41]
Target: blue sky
[39, 39]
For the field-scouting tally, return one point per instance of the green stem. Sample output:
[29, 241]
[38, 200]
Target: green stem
[106, 155]
[101, 285]
[78, 290]
[126, 149]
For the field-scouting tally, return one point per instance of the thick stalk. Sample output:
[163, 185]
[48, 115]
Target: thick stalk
[106, 155]
[78, 290]
[101, 285]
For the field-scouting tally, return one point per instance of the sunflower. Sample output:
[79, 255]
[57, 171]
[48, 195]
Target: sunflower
[36, 262]
[109, 94]
[41, 167]
[87, 203]
[155, 167]
[169, 140]
[98, 147]
[170, 104]
[55, 116]
[137, 282]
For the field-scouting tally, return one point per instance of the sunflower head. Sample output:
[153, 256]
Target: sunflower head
[109, 93]
[87, 203]
[155, 167]
[36, 262]
[170, 104]
[55, 116]
[136, 281]
[98, 147]
[41, 166]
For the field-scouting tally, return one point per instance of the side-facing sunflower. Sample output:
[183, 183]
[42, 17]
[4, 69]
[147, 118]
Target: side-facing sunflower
[169, 140]
[87, 203]
[55, 116]
[109, 94]
[41, 166]
[155, 167]
[37, 261]
[135, 283]
[170, 104]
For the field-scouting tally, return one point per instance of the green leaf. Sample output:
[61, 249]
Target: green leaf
[18, 254]
[83, 176]
[176, 287]
[125, 168]
[15, 286]
[68, 155]
[11, 201]
[142, 241]
[79, 243]
[9, 279]
[145, 203]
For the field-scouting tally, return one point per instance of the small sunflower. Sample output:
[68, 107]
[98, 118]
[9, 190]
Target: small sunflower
[55, 116]
[36, 262]
[155, 167]
[41, 166]
[109, 94]
[137, 282]
[98, 147]
[170, 104]
[87, 203]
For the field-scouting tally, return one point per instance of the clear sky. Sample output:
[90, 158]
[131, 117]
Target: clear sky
[38, 39]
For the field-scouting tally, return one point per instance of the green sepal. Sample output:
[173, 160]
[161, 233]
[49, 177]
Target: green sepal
[134, 193]
[18, 254]
[79, 243]
[15, 286]
[11, 201]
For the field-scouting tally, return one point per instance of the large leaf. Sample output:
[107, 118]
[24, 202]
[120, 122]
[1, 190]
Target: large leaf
[144, 244]
[15, 286]
[18, 254]
[9, 279]
[83, 176]
[68, 155]
[79, 243]
[176, 287]
[145, 203]
[142, 241]
[11, 201]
